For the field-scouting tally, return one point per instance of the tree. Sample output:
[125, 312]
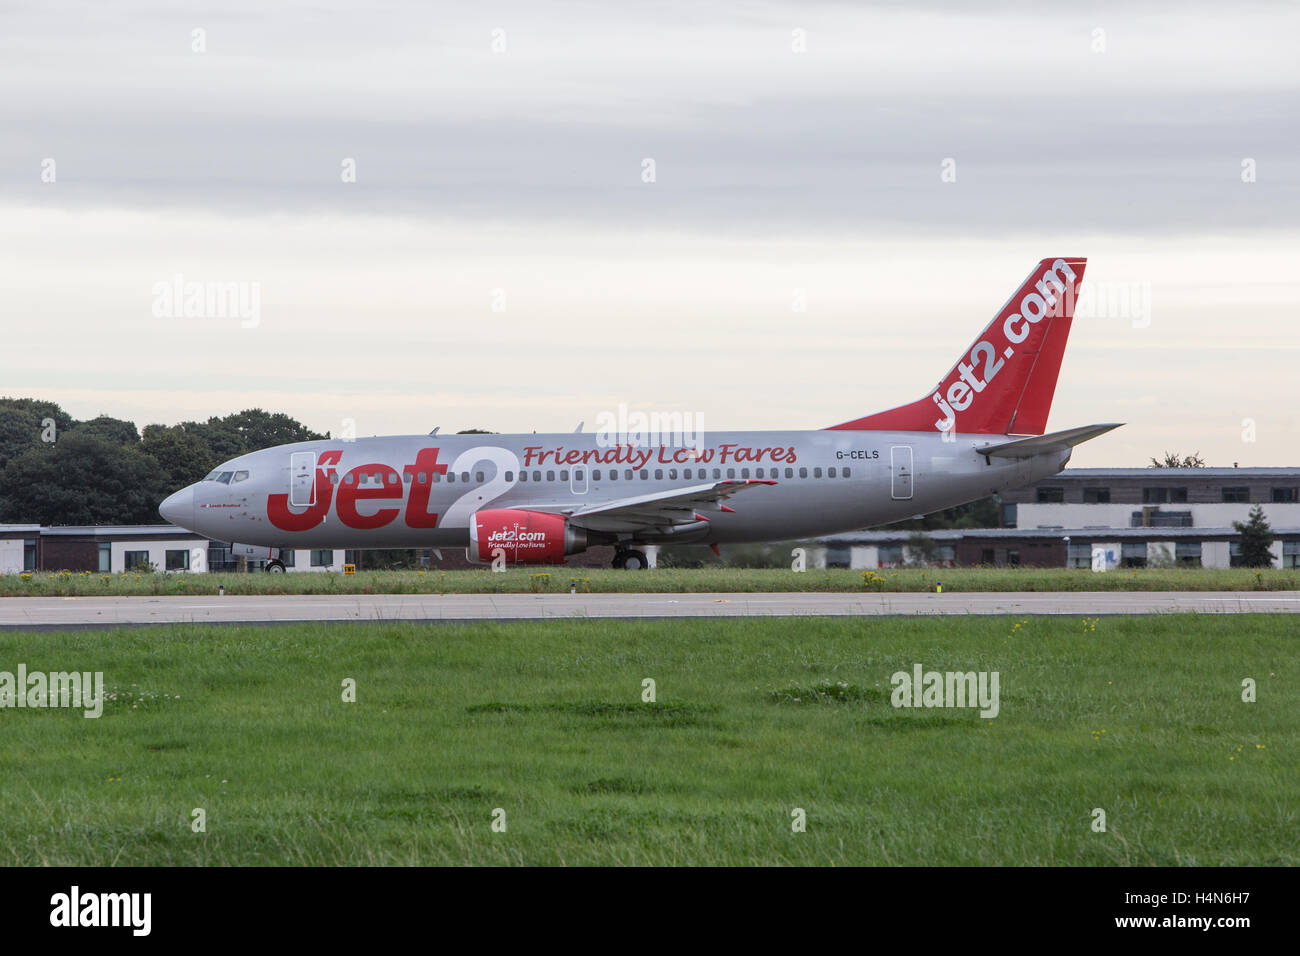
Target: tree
[920, 549]
[183, 457]
[1171, 460]
[23, 425]
[1256, 539]
[82, 479]
[115, 430]
[249, 430]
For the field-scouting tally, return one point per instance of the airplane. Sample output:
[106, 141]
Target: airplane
[539, 498]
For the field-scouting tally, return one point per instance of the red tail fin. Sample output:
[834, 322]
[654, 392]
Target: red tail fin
[1004, 382]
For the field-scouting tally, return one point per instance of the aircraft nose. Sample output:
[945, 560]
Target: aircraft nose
[179, 508]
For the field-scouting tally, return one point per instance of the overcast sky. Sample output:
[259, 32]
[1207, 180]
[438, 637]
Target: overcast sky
[500, 261]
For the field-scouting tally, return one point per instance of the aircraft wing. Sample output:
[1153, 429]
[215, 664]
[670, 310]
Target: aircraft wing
[663, 510]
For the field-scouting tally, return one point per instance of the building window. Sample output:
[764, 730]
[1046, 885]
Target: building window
[178, 560]
[288, 556]
[1051, 496]
[322, 559]
[1009, 515]
[1078, 555]
[1286, 496]
[1188, 553]
[1237, 494]
[1291, 554]
[988, 557]
[1013, 558]
[134, 559]
[1133, 554]
[1096, 496]
[105, 557]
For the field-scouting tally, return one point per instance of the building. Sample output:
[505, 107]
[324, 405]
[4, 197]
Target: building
[1138, 517]
[118, 548]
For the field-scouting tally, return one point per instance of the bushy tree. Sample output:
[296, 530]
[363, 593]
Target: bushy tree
[1171, 460]
[1256, 539]
[82, 479]
[23, 425]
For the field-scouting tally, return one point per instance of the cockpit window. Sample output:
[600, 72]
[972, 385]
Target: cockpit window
[224, 477]
[213, 476]
[240, 476]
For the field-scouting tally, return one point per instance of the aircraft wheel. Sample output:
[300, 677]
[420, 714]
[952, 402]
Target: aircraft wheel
[275, 567]
[630, 560]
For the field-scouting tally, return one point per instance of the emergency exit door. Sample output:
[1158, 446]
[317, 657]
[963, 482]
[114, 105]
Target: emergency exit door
[900, 461]
[302, 475]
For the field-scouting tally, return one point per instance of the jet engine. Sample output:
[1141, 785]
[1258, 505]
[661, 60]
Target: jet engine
[525, 537]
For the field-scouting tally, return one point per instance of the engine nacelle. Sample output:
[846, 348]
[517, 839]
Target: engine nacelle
[526, 537]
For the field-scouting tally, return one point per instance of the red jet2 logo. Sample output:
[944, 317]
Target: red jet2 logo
[350, 491]
[965, 382]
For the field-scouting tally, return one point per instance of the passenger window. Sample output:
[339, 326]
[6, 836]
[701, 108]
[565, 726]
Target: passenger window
[435, 477]
[627, 474]
[550, 476]
[672, 473]
[407, 476]
[595, 474]
[613, 474]
[830, 472]
[392, 478]
[347, 479]
[564, 474]
[510, 476]
[731, 473]
[789, 472]
[645, 474]
[464, 476]
[659, 474]
[717, 473]
[817, 472]
[686, 474]
[537, 476]
[478, 476]
[577, 474]
[422, 477]
[803, 472]
[846, 472]
[523, 476]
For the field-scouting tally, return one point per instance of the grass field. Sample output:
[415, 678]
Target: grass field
[1141, 717]
[76, 584]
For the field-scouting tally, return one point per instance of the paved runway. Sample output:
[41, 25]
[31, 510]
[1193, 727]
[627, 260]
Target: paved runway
[74, 613]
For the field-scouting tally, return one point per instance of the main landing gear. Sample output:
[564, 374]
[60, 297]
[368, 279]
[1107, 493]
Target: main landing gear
[630, 560]
[275, 567]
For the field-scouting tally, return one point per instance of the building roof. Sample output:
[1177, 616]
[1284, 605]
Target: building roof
[1280, 472]
[106, 530]
[1013, 534]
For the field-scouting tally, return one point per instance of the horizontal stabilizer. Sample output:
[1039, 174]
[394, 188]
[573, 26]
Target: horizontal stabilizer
[1043, 444]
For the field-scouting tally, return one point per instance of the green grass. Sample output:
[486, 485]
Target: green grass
[1141, 716]
[76, 584]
